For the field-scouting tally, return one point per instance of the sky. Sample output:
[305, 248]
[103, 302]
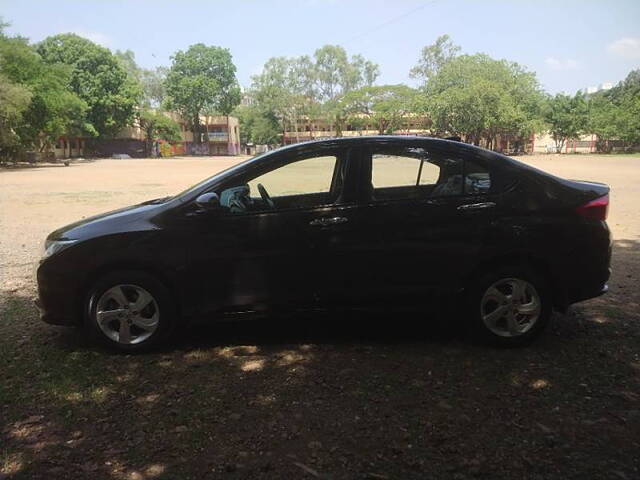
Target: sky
[570, 44]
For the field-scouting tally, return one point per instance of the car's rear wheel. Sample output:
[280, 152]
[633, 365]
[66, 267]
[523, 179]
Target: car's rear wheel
[510, 306]
[130, 311]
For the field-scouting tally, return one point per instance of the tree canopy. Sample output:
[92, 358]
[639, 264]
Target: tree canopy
[615, 114]
[478, 97]
[289, 89]
[98, 78]
[434, 57]
[202, 80]
[566, 117]
[39, 106]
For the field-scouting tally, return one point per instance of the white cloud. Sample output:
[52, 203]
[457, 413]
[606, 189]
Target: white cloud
[96, 37]
[559, 64]
[627, 47]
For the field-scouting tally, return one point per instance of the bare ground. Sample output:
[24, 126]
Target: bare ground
[348, 397]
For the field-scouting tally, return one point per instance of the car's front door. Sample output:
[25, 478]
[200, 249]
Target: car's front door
[422, 222]
[260, 249]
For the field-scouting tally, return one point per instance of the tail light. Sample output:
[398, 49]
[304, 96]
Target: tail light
[596, 209]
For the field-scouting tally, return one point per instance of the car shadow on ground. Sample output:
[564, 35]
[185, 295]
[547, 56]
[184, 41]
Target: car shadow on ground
[344, 396]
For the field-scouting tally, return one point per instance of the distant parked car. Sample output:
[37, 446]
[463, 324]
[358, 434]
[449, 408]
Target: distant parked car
[356, 222]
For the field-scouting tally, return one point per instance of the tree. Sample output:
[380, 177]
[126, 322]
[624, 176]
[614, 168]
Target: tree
[615, 114]
[477, 97]
[98, 78]
[14, 101]
[434, 57]
[53, 110]
[202, 80]
[334, 74]
[256, 126]
[151, 82]
[566, 117]
[384, 106]
[158, 126]
[284, 90]
[309, 87]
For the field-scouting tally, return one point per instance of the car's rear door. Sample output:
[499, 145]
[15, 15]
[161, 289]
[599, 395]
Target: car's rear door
[423, 221]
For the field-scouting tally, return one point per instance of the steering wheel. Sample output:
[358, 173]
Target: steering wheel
[265, 197]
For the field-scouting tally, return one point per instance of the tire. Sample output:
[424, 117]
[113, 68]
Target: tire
[129, 311]
[497, 317]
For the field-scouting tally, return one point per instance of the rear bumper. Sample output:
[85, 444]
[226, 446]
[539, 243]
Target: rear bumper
[587, 294]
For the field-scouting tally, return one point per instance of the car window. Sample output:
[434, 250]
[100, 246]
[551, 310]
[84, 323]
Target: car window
[477, 179]
[394, 170]
[300, 184]
[311, 175]
[398, 173]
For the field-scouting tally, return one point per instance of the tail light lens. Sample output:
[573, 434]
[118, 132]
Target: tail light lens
[596, 209]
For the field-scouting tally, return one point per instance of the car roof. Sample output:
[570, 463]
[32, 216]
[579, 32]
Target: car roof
[361, 141]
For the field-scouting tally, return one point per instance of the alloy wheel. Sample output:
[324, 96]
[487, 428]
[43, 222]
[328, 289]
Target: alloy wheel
[510, 307]
[127, 314]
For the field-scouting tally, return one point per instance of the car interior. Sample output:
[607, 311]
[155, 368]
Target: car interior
[397, 173]
[254, 196]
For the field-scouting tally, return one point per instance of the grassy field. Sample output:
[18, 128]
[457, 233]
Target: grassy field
[342, 397]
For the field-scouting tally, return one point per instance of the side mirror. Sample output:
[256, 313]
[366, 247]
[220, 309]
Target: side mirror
[208, 201]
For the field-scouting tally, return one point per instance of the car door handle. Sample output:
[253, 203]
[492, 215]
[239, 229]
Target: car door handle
[476, 206]
[325, 222]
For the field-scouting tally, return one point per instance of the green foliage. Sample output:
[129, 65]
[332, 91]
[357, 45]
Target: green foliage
[158, 126]
[384, 106]
[478, 97]
[256, 126]
[334, 74]
[14, 101]
[566, 116]
[98, 78]
[615, 114]
[434, 57]
[289, 89]
[202, 80]
[284, 90]
[151, 82]
[53, 110]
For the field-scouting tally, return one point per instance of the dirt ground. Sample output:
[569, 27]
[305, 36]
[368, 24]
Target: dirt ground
[339, 398]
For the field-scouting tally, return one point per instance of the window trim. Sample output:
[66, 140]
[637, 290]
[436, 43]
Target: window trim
[366, 174]
[346, 154]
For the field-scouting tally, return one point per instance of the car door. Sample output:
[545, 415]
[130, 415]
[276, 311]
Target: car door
[259, 252]
[422, 221]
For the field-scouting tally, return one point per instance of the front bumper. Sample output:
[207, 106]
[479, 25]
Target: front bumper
[57, 299]
[53, 317]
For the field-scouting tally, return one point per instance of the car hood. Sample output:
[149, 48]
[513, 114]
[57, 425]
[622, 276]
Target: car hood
[135, 217]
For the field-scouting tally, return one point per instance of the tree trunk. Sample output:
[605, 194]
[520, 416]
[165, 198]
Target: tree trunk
[228, 137]
[197, 138]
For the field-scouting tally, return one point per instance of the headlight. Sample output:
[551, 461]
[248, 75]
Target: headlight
[52, 247]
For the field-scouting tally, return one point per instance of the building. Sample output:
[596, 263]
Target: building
[220, 136]
[543, 143]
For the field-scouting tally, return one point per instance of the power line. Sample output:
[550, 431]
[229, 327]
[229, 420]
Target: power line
[389, 22]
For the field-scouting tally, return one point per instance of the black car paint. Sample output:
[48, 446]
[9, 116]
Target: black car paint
[215, 263]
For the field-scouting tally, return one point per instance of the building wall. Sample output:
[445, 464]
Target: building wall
[69, 147]
[543, 143]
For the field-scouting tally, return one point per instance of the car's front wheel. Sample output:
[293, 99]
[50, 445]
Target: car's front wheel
[129, 311]
[510, 306]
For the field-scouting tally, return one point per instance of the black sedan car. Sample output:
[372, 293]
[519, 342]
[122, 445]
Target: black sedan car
[374, 222]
